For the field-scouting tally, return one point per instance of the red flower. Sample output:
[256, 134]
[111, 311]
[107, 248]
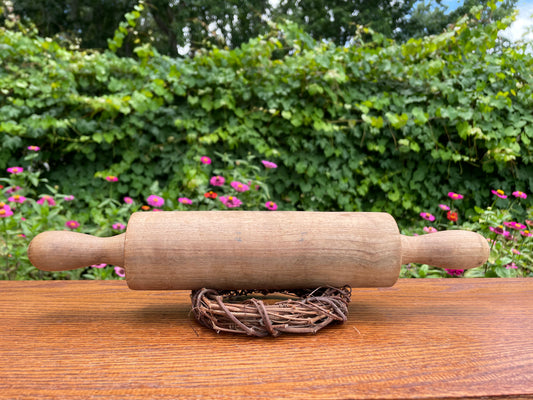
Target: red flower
[210, 195]
[452, 216]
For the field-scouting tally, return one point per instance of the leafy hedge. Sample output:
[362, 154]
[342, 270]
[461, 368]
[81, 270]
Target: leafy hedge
[374, 125]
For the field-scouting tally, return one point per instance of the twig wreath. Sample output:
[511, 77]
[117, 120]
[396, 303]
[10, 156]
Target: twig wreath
[303, 311]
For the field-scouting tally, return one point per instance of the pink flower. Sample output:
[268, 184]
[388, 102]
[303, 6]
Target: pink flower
[427, 216]
[529, 222]
[47, 199]
[520, 194]
[205, 160]
[239, 187]
[17, 198]
[514, 251]
[185, 200]
[455, 196]
[454, 272]
[444, 207]
[269, 164]
[15, 170]
[271, 205]
[5, 210]
[230, 201]
[429, 229]
[155, 201]
[72, 224]
[499, 231]
[34, 148]
[500, 193]
[217, 181]
[128, 200]
[120, 272]
[514, 225]
[68, 197]
[13, 189]
[99, 265]
[526, 233]
[118, 226]
[111, 178]
[511, 266]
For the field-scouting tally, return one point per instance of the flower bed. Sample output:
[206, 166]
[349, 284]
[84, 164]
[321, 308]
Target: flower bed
[26, 211]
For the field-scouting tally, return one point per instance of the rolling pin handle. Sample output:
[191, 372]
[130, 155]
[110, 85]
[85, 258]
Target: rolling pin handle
[454, 249]
[64, 250]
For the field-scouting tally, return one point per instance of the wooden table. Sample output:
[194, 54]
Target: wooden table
[448, 338]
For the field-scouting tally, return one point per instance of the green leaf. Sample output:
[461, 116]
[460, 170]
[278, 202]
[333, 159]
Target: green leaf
[97, 137]
[420, 117]
[397, 121]
[286, 114]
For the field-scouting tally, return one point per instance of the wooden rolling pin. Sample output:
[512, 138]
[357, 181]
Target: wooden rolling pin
[258, 250]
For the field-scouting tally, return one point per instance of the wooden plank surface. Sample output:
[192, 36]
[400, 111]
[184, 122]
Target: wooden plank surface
[449, 338]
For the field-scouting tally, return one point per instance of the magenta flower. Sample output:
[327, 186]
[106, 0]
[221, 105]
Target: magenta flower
[454, 272]
[429, 229]
[118, 226]
[269, 164]
[72, 224]
[511, 266]
[155, 201]
[15, 170]
[99, 265]
[68, 197]
[185, 200]
[5, 210]
[514, 225]
[444, 207]
[34, 148]
[111, 178]
[500, 193]
[205, 160]
[120, 272]
[271, 205]
[499, 231]
[239, 187]
[47, 199]
[519, 194]
[427, 216]
[230, 201]
[128, 200]
[455, 196]
[13, 189]
[217, 181]
[17, 198]
[526, 233]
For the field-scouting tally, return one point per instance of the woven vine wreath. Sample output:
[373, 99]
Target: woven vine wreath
[253, 312]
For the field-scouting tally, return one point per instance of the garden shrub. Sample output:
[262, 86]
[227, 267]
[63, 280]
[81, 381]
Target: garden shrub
[373, 125]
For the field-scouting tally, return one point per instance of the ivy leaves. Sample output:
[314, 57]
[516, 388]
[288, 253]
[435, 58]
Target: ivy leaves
[375, 125]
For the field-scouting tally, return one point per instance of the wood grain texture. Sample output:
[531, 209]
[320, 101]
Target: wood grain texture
[261, 250]
[449, 338]
[182, 250]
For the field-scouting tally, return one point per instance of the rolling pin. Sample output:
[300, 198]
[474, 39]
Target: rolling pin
[258, 250]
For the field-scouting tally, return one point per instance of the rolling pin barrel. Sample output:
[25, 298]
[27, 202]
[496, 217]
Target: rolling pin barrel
[258, 250]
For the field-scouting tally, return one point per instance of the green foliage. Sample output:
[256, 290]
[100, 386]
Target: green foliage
[183, 26]
[372, 126]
